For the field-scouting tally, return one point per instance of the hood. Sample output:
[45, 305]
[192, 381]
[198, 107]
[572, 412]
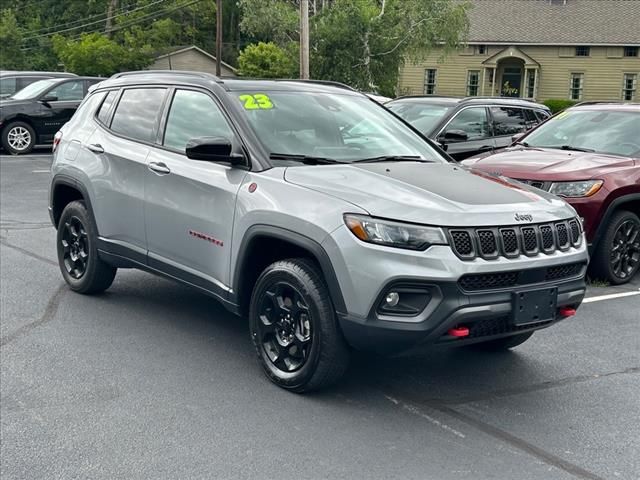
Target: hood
[430, 193]
[549, 164]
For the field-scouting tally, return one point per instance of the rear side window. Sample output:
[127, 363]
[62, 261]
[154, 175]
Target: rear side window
[542, 115]
[508, 120]
[137, 112]
[194, 114]
[105, 108]
[531, 119]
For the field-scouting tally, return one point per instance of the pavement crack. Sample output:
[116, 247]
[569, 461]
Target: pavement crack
[49, 312]
[29, 253]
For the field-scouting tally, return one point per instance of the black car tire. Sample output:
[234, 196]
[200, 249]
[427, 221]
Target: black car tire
[11, 135]
[76, 241]
[290, 303]
[501, 344]
[603, 265]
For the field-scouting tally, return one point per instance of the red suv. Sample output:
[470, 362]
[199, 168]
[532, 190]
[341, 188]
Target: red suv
[590, 155]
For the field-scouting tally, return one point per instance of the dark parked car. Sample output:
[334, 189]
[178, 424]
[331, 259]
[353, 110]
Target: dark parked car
[590, 155]
[469, 126]
[33, 115]
[13, 81]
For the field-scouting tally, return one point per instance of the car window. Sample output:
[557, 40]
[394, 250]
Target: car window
[542, 115]
[472, 121]
[137, 113]
[68, 91]
[192, 115]
[508, 120]
[103, 112]
[7, 86]
[424, 117]
[24, 81]
[531, 119]
[35, 89]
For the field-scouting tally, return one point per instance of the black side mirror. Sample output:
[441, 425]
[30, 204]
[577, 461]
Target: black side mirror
[213, 149]
[49, 98]
[455, 136]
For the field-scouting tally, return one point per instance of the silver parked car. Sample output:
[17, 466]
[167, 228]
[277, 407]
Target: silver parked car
[313, 211]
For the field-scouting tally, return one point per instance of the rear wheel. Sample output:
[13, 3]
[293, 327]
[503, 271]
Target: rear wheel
[294, 328]
[501, 344]
[617, 257]
[18, 138]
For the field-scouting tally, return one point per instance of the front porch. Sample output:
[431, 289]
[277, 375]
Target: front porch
[510, 73]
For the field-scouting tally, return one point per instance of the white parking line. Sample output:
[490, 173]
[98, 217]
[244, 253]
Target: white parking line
[40, 171]
[610, 296]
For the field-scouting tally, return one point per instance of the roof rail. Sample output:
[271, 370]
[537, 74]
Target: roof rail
[601, 102]
[319, 82]
[166, 72]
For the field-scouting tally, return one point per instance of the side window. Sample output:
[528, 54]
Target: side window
[68, 91]
[105, 108]
[508, 120]
[137, 112]
[7, 86]
[472, 121]
[542, 115]
[530, 118]
[193, 114]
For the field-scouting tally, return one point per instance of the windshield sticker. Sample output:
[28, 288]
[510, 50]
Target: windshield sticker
[257, 101]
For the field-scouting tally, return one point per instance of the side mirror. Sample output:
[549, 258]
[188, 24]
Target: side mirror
[49, 98]
[516, 137]
[443, 146]
[455, 136]
[213, 149]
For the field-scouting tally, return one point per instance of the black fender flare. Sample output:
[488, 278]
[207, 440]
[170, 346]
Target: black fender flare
[613, 206]
[66, 180]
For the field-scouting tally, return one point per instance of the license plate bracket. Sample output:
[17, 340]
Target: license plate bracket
[534, 306]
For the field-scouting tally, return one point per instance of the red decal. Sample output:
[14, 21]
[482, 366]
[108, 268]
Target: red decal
[208, 238]
[253, 187]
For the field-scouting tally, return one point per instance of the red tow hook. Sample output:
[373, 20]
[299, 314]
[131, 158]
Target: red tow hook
[458, 332]
[567, 311]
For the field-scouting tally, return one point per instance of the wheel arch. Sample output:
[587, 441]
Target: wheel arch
[65, 190]
[263, 245]
[629, 202]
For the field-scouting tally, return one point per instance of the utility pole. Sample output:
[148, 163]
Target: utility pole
[218, 36]
[304, 39]
[111, 10]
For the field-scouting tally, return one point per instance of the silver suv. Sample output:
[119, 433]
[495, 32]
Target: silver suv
[313, 211]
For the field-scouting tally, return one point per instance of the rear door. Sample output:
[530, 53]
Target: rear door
[467, 133]
[54, 114]
[508, 121]
[190, 204]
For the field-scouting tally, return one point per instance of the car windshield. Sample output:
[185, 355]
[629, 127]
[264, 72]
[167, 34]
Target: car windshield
[33, 90]
[340, 127]
[612, 132]
[423, 116]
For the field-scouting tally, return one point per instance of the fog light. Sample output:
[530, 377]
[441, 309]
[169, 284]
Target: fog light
[392, 299]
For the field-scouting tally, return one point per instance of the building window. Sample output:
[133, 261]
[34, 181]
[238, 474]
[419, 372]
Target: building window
[481, 49]
[473, 80]
[583, 51]
[430, 81]
[629, 84]
[630, 51]
[531, 83]
[577, 83]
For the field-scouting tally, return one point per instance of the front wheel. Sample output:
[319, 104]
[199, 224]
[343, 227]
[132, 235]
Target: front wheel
[294, 329]
[18, 138]
[617, 257]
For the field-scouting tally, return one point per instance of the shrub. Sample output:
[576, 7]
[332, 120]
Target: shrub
[557, 105]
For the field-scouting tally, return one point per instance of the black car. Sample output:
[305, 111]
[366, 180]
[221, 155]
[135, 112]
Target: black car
[12, 81]
[33, 115]
[472, 125]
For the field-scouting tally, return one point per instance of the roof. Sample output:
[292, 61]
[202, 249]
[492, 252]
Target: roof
[555, 22]
[178, 50]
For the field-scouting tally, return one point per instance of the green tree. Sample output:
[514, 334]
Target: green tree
[266, 60]
[11, 41]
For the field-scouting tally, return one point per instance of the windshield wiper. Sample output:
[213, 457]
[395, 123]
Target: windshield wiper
[568, 147]
[393, 158]
[306, 159]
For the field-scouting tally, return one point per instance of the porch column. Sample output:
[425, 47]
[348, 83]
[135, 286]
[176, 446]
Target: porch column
[535, 83]
[524, 89]
[484, 74]
[493, 80]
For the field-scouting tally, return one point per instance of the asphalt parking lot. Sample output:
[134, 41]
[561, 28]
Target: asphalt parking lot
[153, 380]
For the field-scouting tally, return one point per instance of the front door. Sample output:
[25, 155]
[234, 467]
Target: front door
[190, 204]
[511, 82]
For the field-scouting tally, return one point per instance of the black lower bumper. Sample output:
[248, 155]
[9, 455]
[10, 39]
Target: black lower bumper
[487, 315]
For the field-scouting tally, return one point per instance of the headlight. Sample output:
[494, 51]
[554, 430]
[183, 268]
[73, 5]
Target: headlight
[576, 189]
[394, 234]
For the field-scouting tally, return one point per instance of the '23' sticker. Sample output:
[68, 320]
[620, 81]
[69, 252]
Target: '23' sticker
[257, 101]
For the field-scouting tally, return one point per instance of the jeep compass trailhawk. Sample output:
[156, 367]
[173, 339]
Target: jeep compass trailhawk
[312, 210]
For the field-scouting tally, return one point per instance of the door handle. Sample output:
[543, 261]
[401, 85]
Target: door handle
[95, 148]
[159, 168]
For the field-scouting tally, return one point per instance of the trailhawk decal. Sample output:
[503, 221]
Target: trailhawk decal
[208, 238]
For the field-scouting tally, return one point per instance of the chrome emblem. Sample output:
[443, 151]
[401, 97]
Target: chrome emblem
[523, 218]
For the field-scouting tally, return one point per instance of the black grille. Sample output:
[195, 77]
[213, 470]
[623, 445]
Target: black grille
[564, 271]
[529, 240]
[488, 281]
[462, 242]
[575, 232]
[509, 241]
[563, 235]
[547, 237]
[488, 245]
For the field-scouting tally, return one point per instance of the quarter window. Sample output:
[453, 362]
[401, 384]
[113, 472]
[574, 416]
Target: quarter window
[472, 121]
[576, 86]
[103, 113]
[629, 85]
[508, 120]
[68, 91]
[583, 51]
[430, 81]
[473, 80]
[192, 115]
[137, 112]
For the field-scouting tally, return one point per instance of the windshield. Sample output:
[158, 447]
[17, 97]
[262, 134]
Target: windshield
[612, 132]
[35, 89]
[423, 116]
[345, 128]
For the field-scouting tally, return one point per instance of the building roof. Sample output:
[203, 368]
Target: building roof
[555, 22]
[178, 50]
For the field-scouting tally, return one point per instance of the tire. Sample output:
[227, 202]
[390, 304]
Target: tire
[617, 256]
[18, 138]
[293, 327]
[502, 344]
[76, 241]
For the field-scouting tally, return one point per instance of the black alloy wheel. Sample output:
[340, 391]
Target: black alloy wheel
[74, 247]
[625, 250]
